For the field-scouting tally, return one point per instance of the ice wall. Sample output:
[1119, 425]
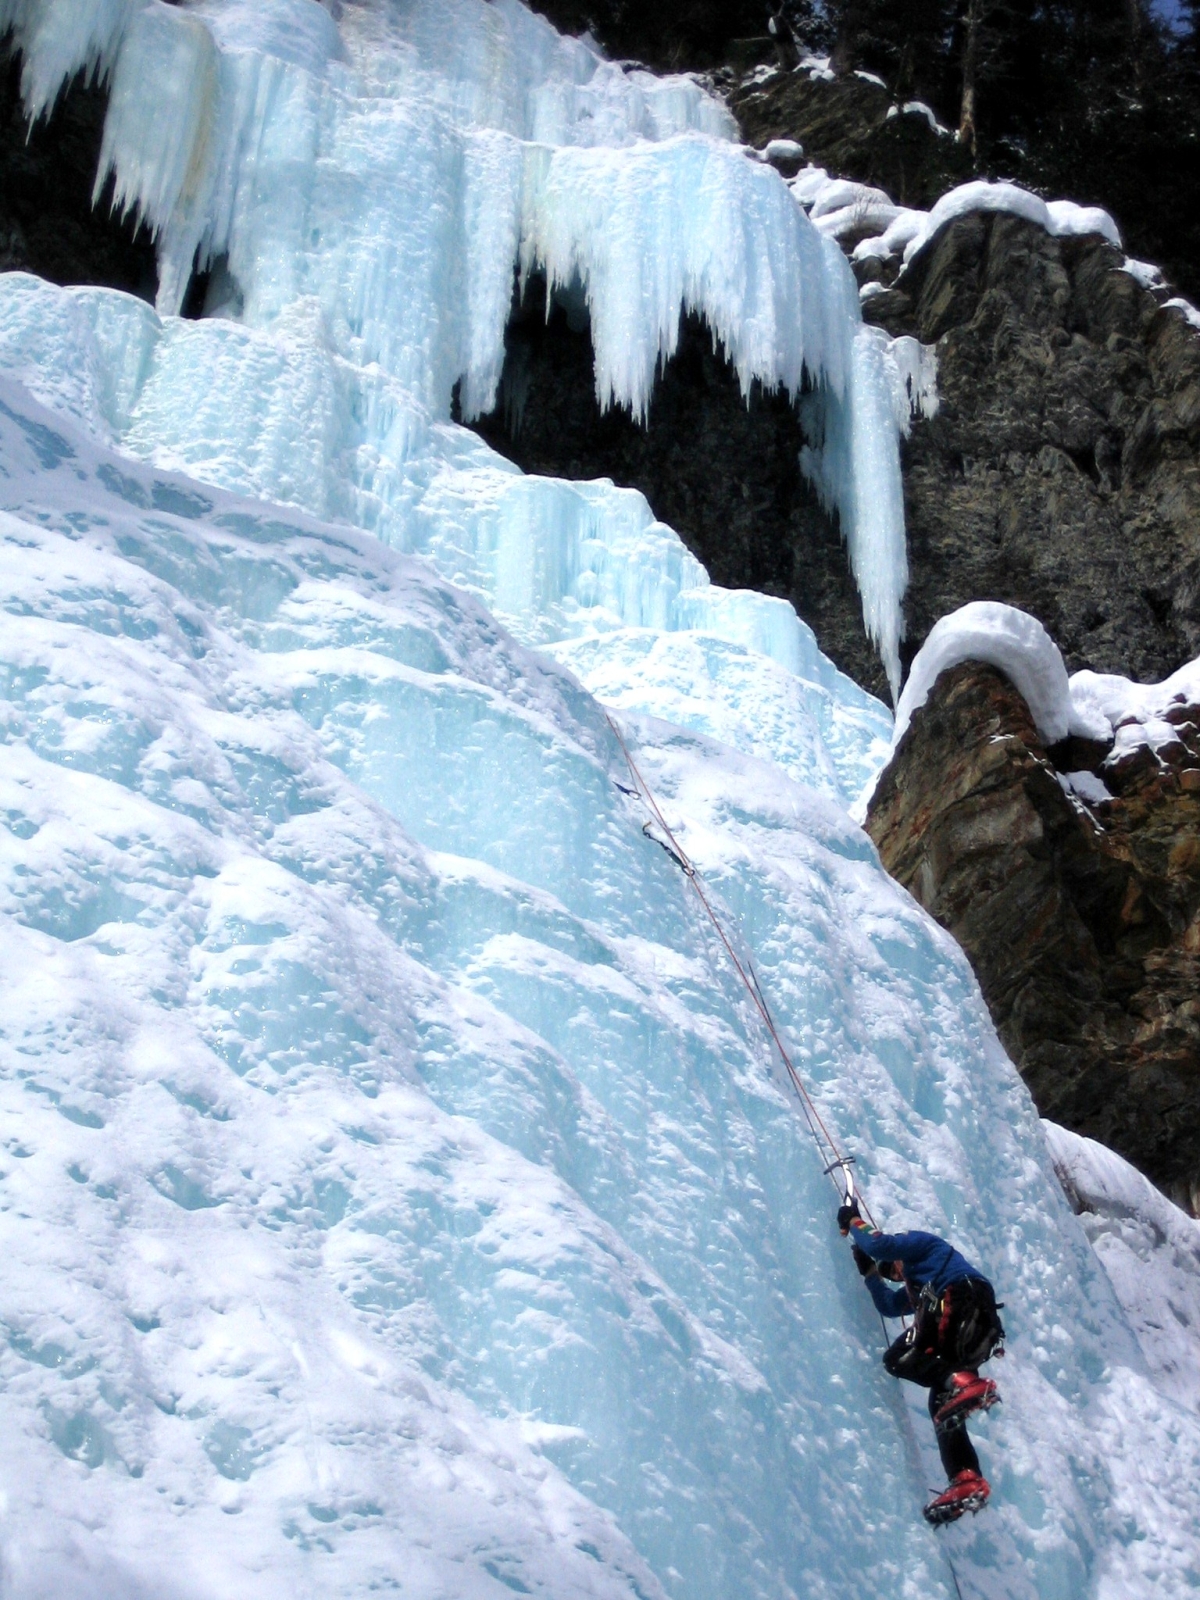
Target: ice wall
[394, 1190]
[384, 178]
[1150, 1250]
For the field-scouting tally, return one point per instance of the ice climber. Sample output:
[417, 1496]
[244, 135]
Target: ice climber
[955, 1328]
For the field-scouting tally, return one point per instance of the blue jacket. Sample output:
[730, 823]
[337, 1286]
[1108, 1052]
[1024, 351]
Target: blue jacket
[925, 1258]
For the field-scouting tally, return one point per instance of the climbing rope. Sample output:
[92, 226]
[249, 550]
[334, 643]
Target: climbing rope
[826, 1144]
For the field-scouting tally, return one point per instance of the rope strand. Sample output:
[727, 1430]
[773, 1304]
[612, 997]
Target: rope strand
[825, 1142]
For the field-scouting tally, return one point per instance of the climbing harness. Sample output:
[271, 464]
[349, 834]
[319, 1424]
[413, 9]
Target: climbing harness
[658, 829]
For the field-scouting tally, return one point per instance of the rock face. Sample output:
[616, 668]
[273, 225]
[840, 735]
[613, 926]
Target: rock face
[844, 126]
[1062, 470]
[1081, 917]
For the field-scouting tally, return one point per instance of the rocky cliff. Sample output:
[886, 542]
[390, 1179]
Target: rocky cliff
[1071, 878]
[843, 125]
[1061, 472]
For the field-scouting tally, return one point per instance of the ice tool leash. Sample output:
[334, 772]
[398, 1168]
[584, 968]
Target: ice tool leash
[659, 830]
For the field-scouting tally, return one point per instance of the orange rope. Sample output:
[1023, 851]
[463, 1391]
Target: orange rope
[749, 977]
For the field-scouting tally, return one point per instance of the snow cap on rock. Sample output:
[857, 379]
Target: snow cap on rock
[1016, 644]
[1060, 217]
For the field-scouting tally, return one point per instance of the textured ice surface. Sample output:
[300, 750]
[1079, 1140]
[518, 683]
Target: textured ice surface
[368, 191]
[1150, 1250]
[395, 1194]
[395, 1189]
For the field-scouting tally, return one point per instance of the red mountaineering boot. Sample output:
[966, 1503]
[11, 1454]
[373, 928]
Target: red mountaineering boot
[966, 1492]
[968, 1392]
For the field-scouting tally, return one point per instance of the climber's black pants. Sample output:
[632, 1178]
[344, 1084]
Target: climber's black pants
[904, 1360]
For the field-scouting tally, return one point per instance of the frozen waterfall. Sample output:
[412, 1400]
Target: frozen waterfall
[396, 1195]
[369, 190]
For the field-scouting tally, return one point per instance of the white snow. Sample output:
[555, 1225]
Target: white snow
[1068, 219]
[903, 231]
[816, 67]
[918, 108]
[1119, 700]
[395, 1192]
[1190, 314]
[1144, 273]
[1100, 706]
[782, 150]
[1059, 217]
[838, 193]
[1137, 712]
[838, 205]
[764, 73]
[1085, 786]
[1150, 1250]
[904, 227]
[1016, 644]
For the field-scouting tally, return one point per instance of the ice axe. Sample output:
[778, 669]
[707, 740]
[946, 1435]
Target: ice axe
[843, 1165]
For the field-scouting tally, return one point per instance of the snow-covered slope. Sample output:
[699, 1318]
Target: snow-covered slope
[395, 1192]
[1150, 1250]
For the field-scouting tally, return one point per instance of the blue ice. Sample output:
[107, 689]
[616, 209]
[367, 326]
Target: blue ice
[396, 1189]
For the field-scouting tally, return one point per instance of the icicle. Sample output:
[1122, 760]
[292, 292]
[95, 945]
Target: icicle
[853, 462]
[58, 38]
[159, 131]
[396, 174]
[684, 225]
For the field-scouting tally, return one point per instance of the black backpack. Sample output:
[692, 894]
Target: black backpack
[977, 1332]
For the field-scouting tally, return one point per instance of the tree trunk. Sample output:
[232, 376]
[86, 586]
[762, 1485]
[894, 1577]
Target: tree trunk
[847, 17]
[972, 24]
[1137, 26]
[784, 40]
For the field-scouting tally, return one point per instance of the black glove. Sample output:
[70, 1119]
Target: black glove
[846, 1213]
[862, 1261]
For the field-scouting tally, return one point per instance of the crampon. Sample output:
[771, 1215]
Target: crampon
[967, 1492]
[968, 1394]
